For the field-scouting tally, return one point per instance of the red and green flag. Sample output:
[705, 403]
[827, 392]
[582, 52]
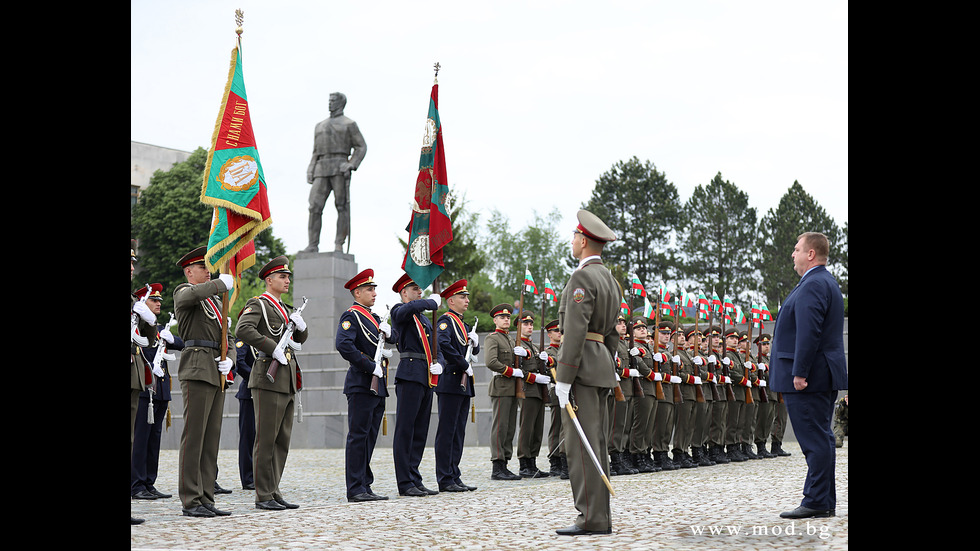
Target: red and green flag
[430, 228]
[636, 287]
[715, 302]
[529, 285]
[702, 305]
[664, 293]
[624, 308]
[549, 291]
[234, 183]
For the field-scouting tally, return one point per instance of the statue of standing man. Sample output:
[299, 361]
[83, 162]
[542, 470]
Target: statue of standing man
[338, 148]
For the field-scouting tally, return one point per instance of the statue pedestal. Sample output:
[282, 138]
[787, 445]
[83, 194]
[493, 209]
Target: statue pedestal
[320, 277]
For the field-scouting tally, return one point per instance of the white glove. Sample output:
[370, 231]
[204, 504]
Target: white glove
[437, 298]
[296, 318]
[224, 366]
[712, 359]
[520, 351]
[541, 379]
[144, 312]
[634, 373]
[697, 380]
[517, 373]
[469, 371]
[228, 280]
[726, 361]
[675, 379]
[562, 390]
[386, 352]
[658, 376]
[474, 339]
[764, 367]
[436, 368]
[385, 328]
[676, 359]
[166, 335]
[617, 378]
[543, 356]
[635, 351]
[747, 383]
[280, 356]
[697, 360]
[762, 382]
[659, 357]
[378, 372]
[158, 371]
[727, 380]
[750, 366]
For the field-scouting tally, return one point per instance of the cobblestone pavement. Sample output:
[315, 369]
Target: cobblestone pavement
[733, 506]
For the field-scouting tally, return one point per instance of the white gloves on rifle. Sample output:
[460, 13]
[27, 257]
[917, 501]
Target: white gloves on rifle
[166, 335]
[378, 372]
[144, 312]
[541, 379]
[697, 380]
[436, 368]
[750, 366]
[469, 371]
[676, 359]
[747, 383]
[543, 356]
[764, 367]
[385, 328]
[659, 357]
[633, 372]
[635, 351]
[697, 360]
[658, 376]
[520, 351]
[562, 390]
[158, 371]
[224, 366]
[228, 280]
[712, 359]
[762, 382]
[280, 356]
[726, 361]
[386, 352]
[517, 373]
[675, 379]
[474, 339]
[297, 318]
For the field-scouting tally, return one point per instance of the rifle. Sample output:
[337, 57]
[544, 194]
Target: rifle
[284, 341]
[656, 341]
[160, 355]
[134, 321]
[631, 362]
[763, 397]
[729, 395]
[699, 394]
[745, 370]
[469, 358]
[546, 389]
[518, 381]
[678, 399]
[375, 380]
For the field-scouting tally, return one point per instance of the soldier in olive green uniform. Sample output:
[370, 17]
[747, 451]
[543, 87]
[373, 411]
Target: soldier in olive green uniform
[751, 413]
[702, 418]
[740, 385]
[685, 411]
[498, 354]
[767, 410]
[663, 426]
[201, 370]
[621, 413]
[645, 404]
[556, 447]
[536, 396]
[586, 372]
[261, 325]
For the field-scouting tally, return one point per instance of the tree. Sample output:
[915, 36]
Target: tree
[718, 239]
[779, 230]
[170, 220]
[643, 209]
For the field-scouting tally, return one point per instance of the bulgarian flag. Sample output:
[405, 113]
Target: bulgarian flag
[624, 308]
[549, 291]
[647, 308]
[664, 294]
[728, 305]
[687, 299]
[636, 287]
[234, 183]
[702, 305]
[430, 228]
[715, 302]
[529, 285]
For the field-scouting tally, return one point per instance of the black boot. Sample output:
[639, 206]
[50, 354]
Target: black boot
[747, 451]
[615, 464]
[627, 462]
[555, 465]
[733, 455]
[664, 461]
[763, 453]
[777, 449]
[682, 460]
[532, 466]
[718, 454]
[564, 467]
[500, 471]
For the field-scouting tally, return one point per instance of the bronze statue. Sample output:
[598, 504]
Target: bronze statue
[330, 168]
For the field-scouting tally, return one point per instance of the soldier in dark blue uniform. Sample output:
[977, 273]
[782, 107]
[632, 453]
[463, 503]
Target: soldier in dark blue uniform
[246, 415]
[146, 437]
[417, 374]
[455, 387]
[357, 342]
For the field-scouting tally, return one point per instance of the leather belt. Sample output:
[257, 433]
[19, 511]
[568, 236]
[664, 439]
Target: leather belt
[203, 344]
[412, 355]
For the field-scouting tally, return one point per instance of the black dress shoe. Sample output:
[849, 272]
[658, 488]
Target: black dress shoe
[806, 512]
[414, 492]
[199, 511]
[452, 488]
[270, 505]
[427, 490]
[160, 494]
[466, 487]
[248, 487]
[376, 496]
[133, 520]
[220, 490]
[217, 512]
[285, 503]
[576, 531]
[144, 494]
[363, 497]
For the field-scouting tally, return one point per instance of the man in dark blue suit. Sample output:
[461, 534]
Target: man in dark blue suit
[808, 367]
[455, 387]
[357, 342]
[416, 376]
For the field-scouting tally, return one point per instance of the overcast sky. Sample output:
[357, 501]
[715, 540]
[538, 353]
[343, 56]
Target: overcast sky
[537, 99]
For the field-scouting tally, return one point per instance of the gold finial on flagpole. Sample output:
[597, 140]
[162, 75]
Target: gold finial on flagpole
[239, 17]
[435, 80]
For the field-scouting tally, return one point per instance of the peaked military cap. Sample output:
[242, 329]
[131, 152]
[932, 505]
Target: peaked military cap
[639, 320]
[553, 324]
[764, 338]
[194, 257]
[594, 228]
[458, 288]
[155, 290]
[403, 281]
[366, 277]
[275, 266]
[502, 309]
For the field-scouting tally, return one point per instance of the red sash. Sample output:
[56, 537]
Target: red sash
[433, 378]
[459, 325]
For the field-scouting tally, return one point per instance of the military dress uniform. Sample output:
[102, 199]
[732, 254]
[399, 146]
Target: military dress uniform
[199, 316]
[499, 357]
[413, 387]
[142, 328]
[357, 340]
[767, 409]
[685, 411]
[586, 374]
[454, 391]
[737, 410]
[556, 445]
[719, 409]
[663, 425]
[531, 418]
[146, 439]
[621, 412]
[644, 404]
[747, 437]
[262, 323]
[702, 418]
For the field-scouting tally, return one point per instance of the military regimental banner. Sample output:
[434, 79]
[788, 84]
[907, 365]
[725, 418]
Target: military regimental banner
[430, 228]
[233, 182]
